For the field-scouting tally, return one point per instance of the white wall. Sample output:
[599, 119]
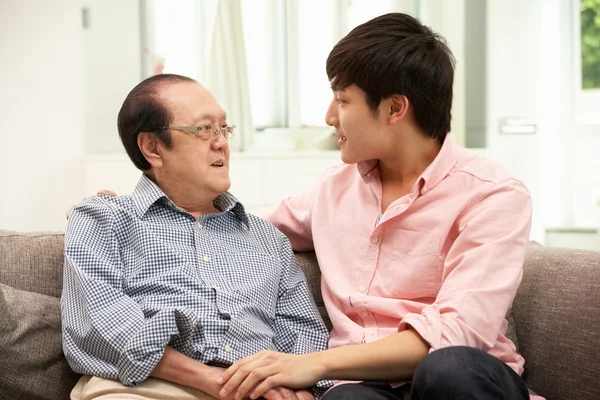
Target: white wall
[41, 156]
[111, 68]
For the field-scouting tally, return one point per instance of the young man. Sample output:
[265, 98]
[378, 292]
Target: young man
[177, 280]
[420, 242]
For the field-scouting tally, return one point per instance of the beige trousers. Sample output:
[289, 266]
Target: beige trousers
[93, 387]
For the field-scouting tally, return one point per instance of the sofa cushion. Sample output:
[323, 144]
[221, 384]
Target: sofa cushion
[33, 366]
[556, 312]
[32, 261]
[511, 331]
[308, 263]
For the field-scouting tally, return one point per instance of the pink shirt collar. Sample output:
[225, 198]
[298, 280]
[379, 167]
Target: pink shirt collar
[435, 172]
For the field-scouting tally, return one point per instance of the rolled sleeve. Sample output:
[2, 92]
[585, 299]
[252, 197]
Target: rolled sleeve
[147, 346]
[481, 273]
[104, 331]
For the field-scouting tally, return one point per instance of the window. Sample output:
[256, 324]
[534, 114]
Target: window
[315, 39]
[287, 43]
[311, 28]
[264, 40]
[590, 44]
[587, 63]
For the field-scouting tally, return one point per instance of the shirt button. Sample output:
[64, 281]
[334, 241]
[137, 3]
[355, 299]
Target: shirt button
[362, 288]
[199, 225]
[206, 258]
[365, 313]
[227, 348]
[375, 240]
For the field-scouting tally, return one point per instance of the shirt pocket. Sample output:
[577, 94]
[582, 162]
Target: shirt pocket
[410, 267]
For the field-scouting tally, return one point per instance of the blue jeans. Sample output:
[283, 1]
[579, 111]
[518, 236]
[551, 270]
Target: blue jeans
[450, 373]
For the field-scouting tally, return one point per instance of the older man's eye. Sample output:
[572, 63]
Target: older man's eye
[206, 128]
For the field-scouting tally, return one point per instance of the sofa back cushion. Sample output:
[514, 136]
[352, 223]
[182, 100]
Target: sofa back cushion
[556, 316]
[308, 263]
[32, 261]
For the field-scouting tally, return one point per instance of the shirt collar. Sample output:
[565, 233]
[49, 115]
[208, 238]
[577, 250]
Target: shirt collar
[441, 166]
[227, 202]
[147, 193]
[433, 174]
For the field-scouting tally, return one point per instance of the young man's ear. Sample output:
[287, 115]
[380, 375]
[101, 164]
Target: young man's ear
[398, 107]
[149, 146]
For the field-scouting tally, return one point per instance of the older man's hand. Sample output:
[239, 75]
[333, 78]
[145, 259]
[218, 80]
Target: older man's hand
[103, 191]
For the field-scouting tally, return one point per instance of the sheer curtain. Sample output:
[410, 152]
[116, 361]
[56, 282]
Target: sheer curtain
[226, 68]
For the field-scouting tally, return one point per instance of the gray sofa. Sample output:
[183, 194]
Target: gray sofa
[555, 319]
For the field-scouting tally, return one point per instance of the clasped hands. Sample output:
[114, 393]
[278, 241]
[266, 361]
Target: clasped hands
[268, 373]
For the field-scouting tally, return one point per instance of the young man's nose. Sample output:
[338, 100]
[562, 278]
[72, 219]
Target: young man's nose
[331, 117]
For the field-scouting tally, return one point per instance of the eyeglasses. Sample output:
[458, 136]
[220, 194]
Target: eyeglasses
[206, 131]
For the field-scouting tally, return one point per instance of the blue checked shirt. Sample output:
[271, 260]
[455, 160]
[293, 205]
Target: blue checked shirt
[141, 274]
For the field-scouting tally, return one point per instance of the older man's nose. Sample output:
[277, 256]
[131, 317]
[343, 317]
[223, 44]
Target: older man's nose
[219, 143]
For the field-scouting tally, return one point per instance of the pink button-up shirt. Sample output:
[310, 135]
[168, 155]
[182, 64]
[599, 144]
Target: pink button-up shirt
[446, 259]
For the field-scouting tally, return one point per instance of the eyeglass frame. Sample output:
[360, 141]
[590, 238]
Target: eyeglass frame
[196, 130]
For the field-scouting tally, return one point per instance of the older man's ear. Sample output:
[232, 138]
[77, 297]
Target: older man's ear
[103, 191]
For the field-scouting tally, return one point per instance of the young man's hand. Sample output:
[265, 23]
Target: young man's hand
[103, 191]
[255, 375]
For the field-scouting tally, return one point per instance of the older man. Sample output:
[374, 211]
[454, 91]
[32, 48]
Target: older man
[176, 279]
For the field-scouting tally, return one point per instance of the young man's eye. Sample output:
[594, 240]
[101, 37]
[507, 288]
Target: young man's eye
[339, 101]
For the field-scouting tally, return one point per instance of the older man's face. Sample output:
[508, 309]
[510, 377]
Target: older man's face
[195, 162]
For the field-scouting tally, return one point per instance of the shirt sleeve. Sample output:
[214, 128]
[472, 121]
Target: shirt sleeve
[299, 328]
[481, 273]
[105, 332]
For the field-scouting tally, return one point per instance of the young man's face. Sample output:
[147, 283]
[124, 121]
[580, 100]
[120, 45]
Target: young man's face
[362, 135]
